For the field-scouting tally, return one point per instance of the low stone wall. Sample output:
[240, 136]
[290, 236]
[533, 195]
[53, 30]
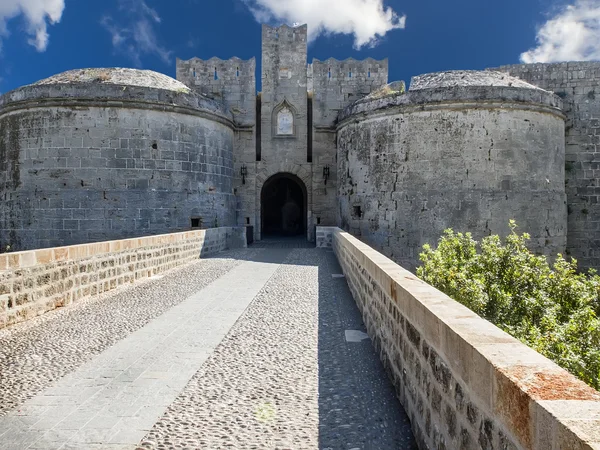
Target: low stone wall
[464, 383]
[37, 281]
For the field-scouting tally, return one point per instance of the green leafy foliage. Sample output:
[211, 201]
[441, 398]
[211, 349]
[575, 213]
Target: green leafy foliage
[552, 308]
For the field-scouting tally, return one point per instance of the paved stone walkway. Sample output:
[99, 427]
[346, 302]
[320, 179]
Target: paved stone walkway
[267, 352]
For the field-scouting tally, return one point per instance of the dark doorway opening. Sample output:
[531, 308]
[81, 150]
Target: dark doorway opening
[283, 203]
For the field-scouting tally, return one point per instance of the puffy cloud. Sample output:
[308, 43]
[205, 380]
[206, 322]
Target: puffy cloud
[134, 33]
[571, 35]
[367, 20]
[37, 15]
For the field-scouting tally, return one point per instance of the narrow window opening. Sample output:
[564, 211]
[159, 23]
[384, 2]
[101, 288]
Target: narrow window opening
[247, 220]
[369, 73]
[196, 222]
[237, 72]
[357, 212]
[216, 74]
[350, 74]
[258, 126]
[330, 72]
[277, 35]
[318, 221]
[309, 131]
[194, 73]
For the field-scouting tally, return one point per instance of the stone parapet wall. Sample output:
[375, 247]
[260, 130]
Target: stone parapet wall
[231, 82]
[37, 281]
[456, 97]
[464, 383]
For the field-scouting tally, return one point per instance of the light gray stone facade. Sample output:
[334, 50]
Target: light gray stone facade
[459, 150]
[324, 144]
[578, 84]
[97, 155]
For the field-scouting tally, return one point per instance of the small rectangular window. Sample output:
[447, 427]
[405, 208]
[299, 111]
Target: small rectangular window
[247, 220]
[356, 212]
[318, 221]
[196, 222]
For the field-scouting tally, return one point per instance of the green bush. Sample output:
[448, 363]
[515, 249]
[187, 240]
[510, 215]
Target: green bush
[552, 308]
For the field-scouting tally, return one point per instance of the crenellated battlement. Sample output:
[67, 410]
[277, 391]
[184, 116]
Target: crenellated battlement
[231, 81]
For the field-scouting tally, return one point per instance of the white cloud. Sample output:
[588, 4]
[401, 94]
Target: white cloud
[134, 33]
[571, 35]
[367, 20]
[37, 15]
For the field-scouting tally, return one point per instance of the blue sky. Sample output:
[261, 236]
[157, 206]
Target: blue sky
[39, 38]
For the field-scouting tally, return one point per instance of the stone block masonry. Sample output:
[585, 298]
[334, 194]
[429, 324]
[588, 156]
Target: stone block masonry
[325, 237]
[37, 281]
[464, 383]
[90, 161]
[469, 157]
[578, 84]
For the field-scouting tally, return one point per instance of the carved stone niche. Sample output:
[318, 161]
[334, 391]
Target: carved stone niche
[284, 120]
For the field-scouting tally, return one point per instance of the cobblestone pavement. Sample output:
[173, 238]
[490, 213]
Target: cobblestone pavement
[36, 353]
[184, 362]
[283, 242]
[286, 377]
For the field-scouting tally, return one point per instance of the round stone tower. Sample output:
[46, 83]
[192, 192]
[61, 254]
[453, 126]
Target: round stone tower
[99, 154]
[461, 150]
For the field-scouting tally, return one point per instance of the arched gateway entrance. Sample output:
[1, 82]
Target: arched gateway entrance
[283, 206]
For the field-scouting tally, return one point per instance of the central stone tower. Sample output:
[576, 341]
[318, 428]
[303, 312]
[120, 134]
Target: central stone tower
[285, 137]
[283, 161]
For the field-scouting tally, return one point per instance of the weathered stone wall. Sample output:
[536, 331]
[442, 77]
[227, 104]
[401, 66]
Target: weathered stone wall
[464, 383]
[86, 162]
[578, 84]
[232, 82]
[244, 155]
[37, 281]
[336, 84]
[324, 236]
[469, 158]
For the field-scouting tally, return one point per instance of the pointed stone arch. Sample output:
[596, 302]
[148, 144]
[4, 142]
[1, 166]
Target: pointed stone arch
[303, 173]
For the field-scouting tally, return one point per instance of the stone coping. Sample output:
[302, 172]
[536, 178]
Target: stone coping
[463, 97]
[455, 78]
[236, 59]
[30, 258]
[542, 405]
[335, 61]
[570, 65]
[113, 95]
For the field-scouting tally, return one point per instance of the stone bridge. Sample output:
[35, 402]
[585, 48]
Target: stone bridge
[194, 340]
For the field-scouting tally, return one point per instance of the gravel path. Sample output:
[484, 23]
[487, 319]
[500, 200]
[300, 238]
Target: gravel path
[285, 377]
[35, 354]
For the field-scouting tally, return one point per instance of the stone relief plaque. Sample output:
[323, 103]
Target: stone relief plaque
[285, 122]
